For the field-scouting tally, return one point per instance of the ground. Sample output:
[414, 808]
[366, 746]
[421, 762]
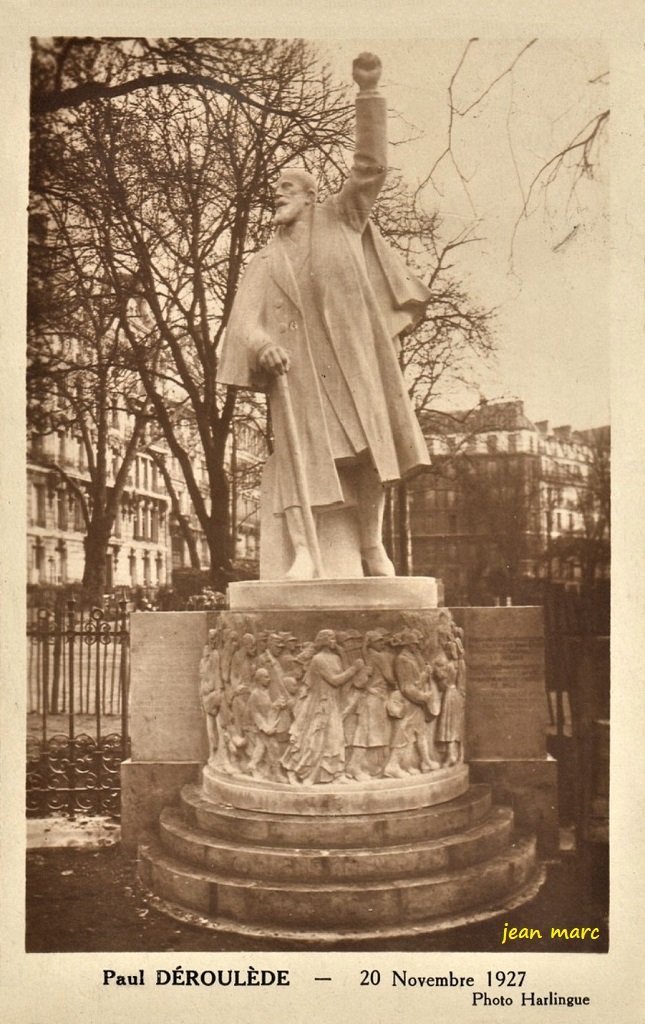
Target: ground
[82, 900]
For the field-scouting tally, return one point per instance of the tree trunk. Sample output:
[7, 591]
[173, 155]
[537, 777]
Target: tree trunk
[219, 540]
[181, 519]
[97, 545]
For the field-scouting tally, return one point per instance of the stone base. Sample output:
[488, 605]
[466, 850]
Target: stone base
[399, 592]
[329, 851]
[334, 941]
[146, 788]
[530, 787]
[379, 795]
[409, 872]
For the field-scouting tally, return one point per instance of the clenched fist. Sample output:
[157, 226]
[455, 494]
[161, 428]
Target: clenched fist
[366, 71]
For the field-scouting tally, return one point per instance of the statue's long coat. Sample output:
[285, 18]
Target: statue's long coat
[364, 295]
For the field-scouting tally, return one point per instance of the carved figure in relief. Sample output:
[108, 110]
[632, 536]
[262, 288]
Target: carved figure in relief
[270, 660]
[242, 669]
[450, 724]
[230, 643]
[371, 735]
[261, 719]
[316, 322]
[289, 654]
[316, 750]
[461, 658]
[346, 706]
[215, 702]
[450, 638]
[294, 685]
[210, 687]
[411, 707]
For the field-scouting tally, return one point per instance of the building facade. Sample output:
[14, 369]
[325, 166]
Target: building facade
[506, 500]
[147, 542]
[139, 548]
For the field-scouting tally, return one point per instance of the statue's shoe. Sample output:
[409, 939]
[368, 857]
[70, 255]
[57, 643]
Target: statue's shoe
[302, 567]
[377, 562]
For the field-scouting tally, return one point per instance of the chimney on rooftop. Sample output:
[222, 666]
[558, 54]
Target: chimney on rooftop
[563, 433]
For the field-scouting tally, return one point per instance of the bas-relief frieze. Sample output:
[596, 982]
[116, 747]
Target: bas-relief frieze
[338, 706]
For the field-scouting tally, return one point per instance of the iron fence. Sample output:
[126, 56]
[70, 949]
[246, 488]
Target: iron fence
[77, 701]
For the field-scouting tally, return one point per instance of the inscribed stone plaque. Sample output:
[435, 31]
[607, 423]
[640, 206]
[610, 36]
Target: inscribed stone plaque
[506, 711]
[166, 720]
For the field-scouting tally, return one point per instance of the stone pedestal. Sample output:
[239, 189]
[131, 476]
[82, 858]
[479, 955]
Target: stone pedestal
[507, 714]
[168, 737]
[310, 850]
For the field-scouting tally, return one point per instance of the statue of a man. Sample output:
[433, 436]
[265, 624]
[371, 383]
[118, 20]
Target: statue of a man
[324, 304]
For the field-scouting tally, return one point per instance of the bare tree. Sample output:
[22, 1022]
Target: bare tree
[573, 159]
[167, 188]
[82, 386]
[154, 160]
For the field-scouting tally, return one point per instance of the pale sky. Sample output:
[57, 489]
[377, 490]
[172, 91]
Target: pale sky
[552, 329]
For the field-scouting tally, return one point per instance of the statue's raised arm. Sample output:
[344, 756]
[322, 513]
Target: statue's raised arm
[369, 167]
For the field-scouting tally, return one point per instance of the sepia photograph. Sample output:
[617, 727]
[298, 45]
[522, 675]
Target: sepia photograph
[315, 649]
[318, 544]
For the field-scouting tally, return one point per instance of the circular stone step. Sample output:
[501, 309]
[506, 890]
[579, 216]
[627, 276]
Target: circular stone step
[376, 829]
[331, 940]
[354, 798]
[426, 857]
[352, 905]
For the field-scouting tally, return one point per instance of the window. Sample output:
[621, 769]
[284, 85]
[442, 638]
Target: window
[62, 563]
[138, 525]
[39, 552]
[41, 505]
[61, 509]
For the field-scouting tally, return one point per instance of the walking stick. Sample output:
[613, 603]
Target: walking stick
[295, 452]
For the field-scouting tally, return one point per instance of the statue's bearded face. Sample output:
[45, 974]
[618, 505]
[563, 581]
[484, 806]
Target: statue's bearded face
[291, 200]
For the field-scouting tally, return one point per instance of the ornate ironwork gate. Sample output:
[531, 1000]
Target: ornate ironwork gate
[77, 724]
